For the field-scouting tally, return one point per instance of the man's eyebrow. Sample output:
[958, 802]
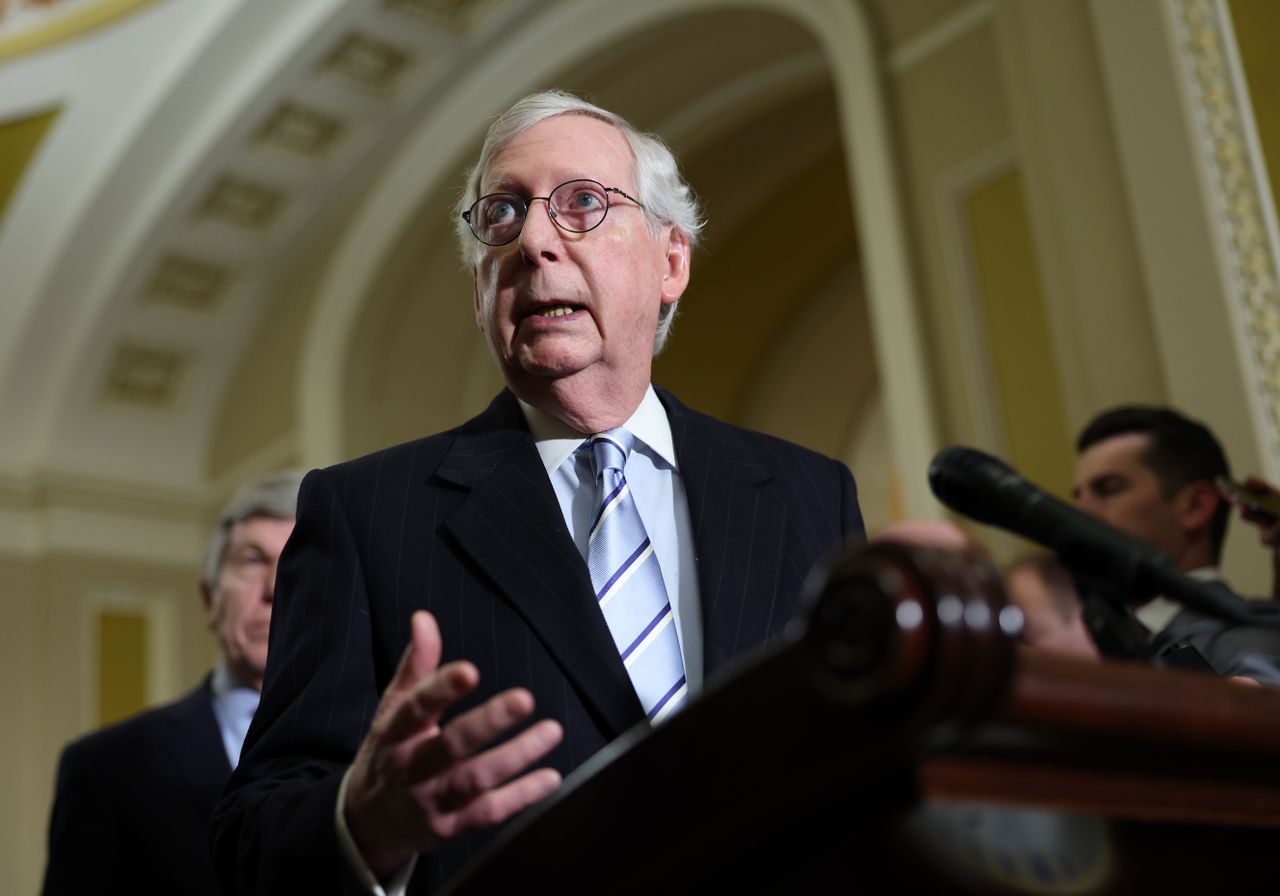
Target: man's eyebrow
[503, 185]
[509, 184]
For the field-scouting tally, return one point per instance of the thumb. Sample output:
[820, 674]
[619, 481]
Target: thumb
[422, 655]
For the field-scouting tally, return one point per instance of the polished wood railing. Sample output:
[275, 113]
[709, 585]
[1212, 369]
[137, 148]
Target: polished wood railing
[900, 740]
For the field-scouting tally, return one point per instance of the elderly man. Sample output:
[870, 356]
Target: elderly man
[1150, 472]
[131, 811]
[587, 544]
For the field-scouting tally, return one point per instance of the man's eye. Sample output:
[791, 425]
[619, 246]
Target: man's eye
[1108, 487]
[500, 211]
[585, 201]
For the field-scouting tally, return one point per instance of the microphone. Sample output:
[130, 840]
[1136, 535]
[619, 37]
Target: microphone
[990, 491]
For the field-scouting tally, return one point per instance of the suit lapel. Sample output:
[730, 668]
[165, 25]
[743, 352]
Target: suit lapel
[739, 527]
[510, 525]
[196, 745]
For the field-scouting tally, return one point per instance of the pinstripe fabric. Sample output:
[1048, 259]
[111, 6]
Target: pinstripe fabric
[465, 524]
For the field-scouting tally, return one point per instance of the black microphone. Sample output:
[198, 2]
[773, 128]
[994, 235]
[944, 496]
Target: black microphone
[990, 491]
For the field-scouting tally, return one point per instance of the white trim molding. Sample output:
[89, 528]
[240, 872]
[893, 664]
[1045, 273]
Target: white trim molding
[58, 514]
[1243, 215]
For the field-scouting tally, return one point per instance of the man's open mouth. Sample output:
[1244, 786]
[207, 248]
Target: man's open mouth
[555, 310]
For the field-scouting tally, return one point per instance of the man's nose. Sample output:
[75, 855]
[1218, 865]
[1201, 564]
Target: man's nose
[540, 236]
[1087, 504]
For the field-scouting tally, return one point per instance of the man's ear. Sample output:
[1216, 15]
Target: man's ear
[206, 599]
[1197, 503]
[675, 276]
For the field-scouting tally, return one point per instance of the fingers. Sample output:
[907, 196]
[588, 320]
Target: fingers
[470, 732]
[415, 783]
[1270, 535]
[928, 534]
[480, 792]
[421, 707]
[419, 693]
[498, 805]
[1258, 486]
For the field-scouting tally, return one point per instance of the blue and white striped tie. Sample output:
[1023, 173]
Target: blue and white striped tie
[629, 587]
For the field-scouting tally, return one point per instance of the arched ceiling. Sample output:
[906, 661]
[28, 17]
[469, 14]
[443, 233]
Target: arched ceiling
[167, 245]
[758, 138]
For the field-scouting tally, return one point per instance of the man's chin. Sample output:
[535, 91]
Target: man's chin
[550, 365]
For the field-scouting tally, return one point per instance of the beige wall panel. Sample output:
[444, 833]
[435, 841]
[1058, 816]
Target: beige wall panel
[951, 111]
[898, 22]
[26, 771]
[1021, 352]
[48, 652]
[1080, 217]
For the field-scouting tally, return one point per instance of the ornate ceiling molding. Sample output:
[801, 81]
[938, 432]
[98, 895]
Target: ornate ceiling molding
[30, 25]
[1244, 216]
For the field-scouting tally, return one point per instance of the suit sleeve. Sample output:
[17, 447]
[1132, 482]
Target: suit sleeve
[273, 830]
[1253, 652]
[851, 523]
[83, 847]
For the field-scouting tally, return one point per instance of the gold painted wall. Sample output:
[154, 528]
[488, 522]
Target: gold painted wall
[1257, 27]
[123, 641]
[19, 140]
[1021, 352]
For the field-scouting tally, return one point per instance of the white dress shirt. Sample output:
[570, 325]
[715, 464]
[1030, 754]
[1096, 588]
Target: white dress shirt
[654, 476]
[1156, 614]
[233, 707]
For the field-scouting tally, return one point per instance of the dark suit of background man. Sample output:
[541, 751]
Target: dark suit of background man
[132, 805]
[369, 760]
[1150, 472]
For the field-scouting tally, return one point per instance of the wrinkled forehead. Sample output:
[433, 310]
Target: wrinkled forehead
[565, 147]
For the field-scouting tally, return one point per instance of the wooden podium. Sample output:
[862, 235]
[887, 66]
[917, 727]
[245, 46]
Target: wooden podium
[898, 740]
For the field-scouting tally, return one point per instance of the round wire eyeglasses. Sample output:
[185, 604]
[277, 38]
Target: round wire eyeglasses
[577, 206]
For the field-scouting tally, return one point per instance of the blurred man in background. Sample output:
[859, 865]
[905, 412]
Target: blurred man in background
[1150, 472]
[132, 804]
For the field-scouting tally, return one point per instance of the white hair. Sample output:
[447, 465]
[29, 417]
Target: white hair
[274, 496]
[664, 194]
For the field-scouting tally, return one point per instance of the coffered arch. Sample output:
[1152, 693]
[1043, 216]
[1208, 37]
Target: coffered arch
[630, 58]
[222, 285]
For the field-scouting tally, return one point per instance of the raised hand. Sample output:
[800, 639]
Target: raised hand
[416, 784]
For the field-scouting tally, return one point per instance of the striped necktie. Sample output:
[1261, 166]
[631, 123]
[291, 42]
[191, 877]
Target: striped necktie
[629, 587]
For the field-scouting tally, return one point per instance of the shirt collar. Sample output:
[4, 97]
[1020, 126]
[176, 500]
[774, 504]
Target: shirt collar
[1158, 612]
[225, 687]
[556, 440]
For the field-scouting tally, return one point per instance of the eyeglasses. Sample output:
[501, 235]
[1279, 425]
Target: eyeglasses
[576, 206]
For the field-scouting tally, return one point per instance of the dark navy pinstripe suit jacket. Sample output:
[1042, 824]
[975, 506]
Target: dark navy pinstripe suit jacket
[132, 805]
[466, 524]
